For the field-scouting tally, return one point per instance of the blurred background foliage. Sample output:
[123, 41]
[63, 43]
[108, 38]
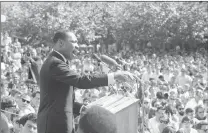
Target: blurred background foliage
[163, 24]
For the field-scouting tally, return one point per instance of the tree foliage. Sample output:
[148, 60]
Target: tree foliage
[164, 24]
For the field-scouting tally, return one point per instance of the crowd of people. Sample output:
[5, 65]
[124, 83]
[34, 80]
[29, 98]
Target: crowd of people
[172, 87]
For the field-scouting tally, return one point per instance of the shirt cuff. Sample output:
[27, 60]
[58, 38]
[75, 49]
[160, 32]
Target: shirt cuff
[111, 79]
[81, 109]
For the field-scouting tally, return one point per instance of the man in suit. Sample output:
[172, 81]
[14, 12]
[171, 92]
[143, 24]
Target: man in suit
[57, 82]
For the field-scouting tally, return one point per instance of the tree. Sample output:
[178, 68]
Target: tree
[164, 24]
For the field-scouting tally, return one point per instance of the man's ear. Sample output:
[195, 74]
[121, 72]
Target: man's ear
[60, 42]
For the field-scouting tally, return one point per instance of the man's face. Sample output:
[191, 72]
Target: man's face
[146, 104]
[29, 127]
[181, 110]
[173, 95]
[15, 79]
[160, 113]
[23, 89]
[70, 46]
[190, 115]
[25, 102]
[201, 113]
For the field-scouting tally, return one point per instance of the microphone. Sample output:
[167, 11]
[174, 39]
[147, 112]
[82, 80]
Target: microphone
[122, 62]
[109, 61]
[119, 61]
[94, 56]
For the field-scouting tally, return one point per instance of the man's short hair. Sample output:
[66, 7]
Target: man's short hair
[159, 95]
[62, 35]
[31, 117]
[13, 92]
[197, 108]
[169, 129]
[189, 110]
[98, 120]
[185, 119]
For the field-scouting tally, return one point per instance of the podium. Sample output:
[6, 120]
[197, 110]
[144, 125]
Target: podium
[125, 110]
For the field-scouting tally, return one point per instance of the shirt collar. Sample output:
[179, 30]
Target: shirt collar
[65, 60]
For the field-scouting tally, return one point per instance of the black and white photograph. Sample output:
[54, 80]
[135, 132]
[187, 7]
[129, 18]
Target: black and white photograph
[104, 67]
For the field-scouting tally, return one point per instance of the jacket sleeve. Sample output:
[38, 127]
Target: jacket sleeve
[60, 71]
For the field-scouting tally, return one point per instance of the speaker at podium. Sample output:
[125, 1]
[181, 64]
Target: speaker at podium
[125, 110]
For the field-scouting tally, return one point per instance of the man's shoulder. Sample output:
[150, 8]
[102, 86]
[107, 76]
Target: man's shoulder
[50, 62]
[51, 59]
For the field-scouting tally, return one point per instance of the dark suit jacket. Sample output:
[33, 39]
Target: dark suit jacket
[55, 113]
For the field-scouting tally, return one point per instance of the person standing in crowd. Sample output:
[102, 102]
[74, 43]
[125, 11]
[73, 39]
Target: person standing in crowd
[57, 82]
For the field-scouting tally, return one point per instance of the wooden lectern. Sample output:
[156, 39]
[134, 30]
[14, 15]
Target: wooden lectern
[125, 110]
